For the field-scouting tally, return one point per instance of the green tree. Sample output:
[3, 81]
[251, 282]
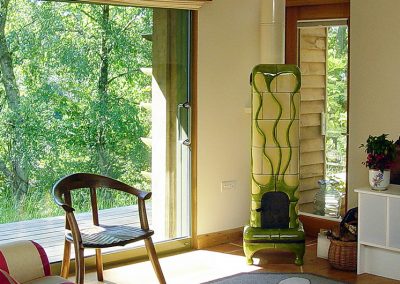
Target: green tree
[77, 70]
[337, 99]
[13, 160]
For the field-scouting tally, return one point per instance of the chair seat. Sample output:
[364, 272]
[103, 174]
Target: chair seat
[107, 236]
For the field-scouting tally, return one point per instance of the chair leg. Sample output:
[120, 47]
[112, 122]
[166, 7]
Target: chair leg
[66, 260]
[154, 260]
[99, 265]
[79, 265]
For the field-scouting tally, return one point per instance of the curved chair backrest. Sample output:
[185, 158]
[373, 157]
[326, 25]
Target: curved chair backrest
[92, 181]
[24, 261]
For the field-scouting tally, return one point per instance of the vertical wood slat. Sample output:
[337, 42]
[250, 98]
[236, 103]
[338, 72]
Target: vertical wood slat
[68, 201]
[291, 35]
[93, 201]
[312, 61]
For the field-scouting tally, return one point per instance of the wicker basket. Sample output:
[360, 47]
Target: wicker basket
[343, 255]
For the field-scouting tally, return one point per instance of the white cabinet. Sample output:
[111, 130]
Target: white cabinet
[379, 232]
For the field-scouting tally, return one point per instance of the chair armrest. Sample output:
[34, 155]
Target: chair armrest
[140, 194]
[60, 202]
[144, 195]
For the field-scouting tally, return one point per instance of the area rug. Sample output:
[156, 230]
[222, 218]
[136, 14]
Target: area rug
[274, 278]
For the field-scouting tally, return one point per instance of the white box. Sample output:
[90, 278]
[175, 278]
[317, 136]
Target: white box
[323, 244]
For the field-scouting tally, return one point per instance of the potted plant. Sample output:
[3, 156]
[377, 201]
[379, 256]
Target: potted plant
[381, 152]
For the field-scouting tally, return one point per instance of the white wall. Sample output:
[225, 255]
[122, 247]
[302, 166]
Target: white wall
[374, 80]
[228, 49]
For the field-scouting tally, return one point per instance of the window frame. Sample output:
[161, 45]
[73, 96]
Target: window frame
[308, 10]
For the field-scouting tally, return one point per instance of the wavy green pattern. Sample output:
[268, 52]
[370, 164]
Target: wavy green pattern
[261, 132]
[274, 238]
[275, 133]
[259, 128]
[277, 181]
[292, 118]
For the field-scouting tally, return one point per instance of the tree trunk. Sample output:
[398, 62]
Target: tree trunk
[17, 175]
[102, 87]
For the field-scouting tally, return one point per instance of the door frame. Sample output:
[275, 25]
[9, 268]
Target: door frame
[309, 10]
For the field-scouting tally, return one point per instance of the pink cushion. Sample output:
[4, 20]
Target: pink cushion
[50, 280]
[5, 278]
[24, 260]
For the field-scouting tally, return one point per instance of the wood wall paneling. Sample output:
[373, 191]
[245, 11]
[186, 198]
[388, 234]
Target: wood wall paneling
[310, 119]
[312, 94]
[312, 158]
[312, 62]
[308, 171]
[310, 145]
[310, 132]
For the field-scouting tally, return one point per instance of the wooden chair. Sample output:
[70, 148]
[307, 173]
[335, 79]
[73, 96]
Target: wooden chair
[100, 236]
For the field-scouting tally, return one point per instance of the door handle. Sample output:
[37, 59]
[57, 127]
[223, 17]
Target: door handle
[187, 142]
[323, 123]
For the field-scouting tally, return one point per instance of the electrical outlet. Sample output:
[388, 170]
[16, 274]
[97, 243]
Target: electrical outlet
[228, 185]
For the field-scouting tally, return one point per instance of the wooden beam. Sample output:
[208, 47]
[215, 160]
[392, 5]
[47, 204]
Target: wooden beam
[170, 4]
[309, 10]
[295, 3]
[291, 35]
[323, 12]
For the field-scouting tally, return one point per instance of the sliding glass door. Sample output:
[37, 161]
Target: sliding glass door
[172, 104]
[100, 89]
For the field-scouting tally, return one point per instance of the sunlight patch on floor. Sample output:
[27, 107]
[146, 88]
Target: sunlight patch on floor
[190, 267]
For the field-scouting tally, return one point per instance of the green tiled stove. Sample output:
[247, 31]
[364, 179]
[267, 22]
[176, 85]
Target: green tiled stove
[274, 222]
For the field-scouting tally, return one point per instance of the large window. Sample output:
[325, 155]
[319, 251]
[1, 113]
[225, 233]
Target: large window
[100, 89]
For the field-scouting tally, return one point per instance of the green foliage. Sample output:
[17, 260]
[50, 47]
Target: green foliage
[56, 51]
[381, 152]
[336, 100]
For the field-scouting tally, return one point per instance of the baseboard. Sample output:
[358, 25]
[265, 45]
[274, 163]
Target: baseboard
[312, 226]
[218, 238]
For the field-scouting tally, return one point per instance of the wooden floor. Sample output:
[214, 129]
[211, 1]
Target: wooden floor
[200, 266]
[49, 232]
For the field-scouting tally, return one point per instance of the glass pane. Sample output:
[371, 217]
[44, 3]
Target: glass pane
[336, 120]
[323, 61]
[171, 103]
